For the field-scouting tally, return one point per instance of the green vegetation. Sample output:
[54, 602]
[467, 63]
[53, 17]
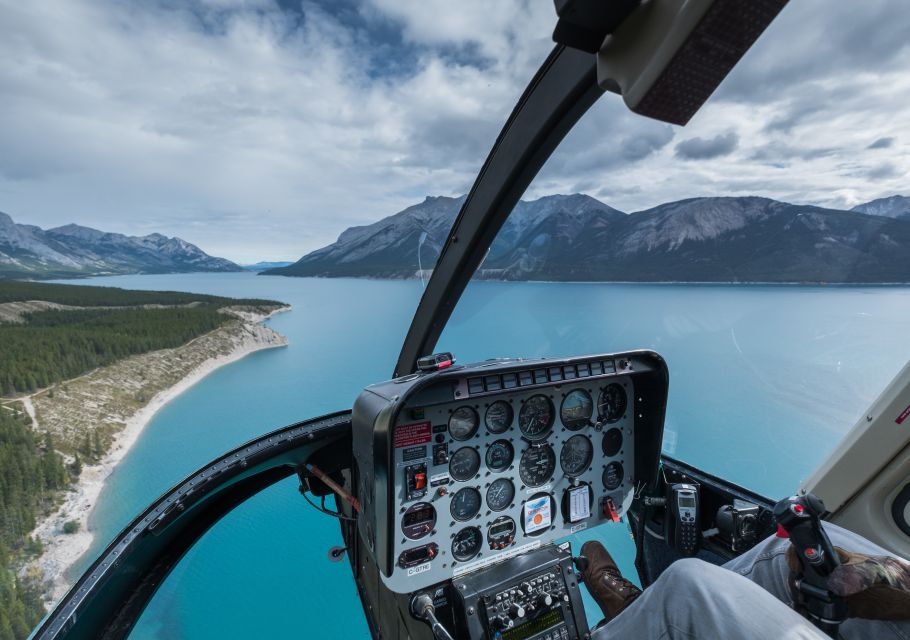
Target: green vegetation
[84, 296]
[29, 474]
[57, 345]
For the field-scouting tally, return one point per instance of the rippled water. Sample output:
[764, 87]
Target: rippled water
[764, 381]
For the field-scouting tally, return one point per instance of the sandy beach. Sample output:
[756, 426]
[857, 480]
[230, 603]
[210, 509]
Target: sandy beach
[61, 550]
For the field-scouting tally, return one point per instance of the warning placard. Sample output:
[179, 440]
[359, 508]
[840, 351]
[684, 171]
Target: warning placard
[537, 514]
[409, 435]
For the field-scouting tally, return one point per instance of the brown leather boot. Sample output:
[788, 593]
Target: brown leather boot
[605, 583]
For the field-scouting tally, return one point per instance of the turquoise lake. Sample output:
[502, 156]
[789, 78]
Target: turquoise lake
[764, 381]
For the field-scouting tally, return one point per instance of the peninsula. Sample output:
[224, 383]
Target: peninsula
[84, 412]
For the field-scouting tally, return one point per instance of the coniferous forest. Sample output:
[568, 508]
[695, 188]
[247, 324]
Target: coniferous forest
[43, 347]
[30, 471]
[54, 345]
[85, 296]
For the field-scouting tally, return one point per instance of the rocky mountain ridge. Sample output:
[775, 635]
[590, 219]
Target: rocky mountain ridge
[897, 207]
[76, 251]
[576, 237]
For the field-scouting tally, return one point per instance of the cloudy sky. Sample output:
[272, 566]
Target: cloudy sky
[261, 129]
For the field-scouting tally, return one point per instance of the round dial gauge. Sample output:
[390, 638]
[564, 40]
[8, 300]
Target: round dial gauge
[576, 455]
[612, 442]
[613, 475]
[576, 410]
[612, 404]
[465, 504]
[500, 494]
[536, 417]
[466, 543]
[537, 465]
[463, 423]
[418, 520]
[499, 455]
[499, 417]
[464, 463]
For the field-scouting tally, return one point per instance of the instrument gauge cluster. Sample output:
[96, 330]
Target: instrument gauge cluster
[499, 464]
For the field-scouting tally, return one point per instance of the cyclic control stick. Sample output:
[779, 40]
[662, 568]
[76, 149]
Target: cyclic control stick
[799, 518]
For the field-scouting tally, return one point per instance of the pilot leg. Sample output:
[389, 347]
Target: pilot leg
[695, 599]
[766, 565]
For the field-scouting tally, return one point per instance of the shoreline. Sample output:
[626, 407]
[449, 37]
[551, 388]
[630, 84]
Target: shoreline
[62, 550]
[672, 283]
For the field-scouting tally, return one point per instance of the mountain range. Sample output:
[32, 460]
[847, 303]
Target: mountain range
[578, 238]
[262, 266]
[27, 251]
[892, 207]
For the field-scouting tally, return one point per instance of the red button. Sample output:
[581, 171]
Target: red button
[781, 532]
[809, 552]
[798, 508]
[420, 480]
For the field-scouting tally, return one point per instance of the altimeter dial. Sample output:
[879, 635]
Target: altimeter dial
[500, 494]
[576, 455]
[535, 420]
[537, 465]
[466, 543]
[612, 403]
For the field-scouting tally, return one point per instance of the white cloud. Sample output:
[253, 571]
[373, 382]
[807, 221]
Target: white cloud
[259, 132]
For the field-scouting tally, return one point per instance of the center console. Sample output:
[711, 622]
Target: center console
[536, 595]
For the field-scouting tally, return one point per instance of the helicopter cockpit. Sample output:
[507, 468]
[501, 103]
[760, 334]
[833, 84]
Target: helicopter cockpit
[456, 484]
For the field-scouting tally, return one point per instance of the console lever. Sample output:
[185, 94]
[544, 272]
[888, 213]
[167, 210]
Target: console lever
[799, 518]
[422, 608]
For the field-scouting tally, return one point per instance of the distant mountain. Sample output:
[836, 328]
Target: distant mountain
[262, 266]
[575, 237]
[398, 246]
[73, 251]
[893, 207]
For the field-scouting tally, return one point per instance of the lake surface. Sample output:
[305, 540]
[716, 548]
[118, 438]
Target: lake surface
[764, 381]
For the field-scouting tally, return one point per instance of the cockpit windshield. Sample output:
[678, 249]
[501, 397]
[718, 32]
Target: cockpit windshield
[758, 250]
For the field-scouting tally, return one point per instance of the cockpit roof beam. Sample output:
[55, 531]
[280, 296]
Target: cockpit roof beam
[562, 90]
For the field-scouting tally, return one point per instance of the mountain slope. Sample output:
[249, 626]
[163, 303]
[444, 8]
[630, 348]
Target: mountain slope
[575, 237]
[892, 207]
[73, 250]
[398, 246]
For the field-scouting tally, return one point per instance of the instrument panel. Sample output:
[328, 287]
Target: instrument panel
[460, 468]
[485, 466]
